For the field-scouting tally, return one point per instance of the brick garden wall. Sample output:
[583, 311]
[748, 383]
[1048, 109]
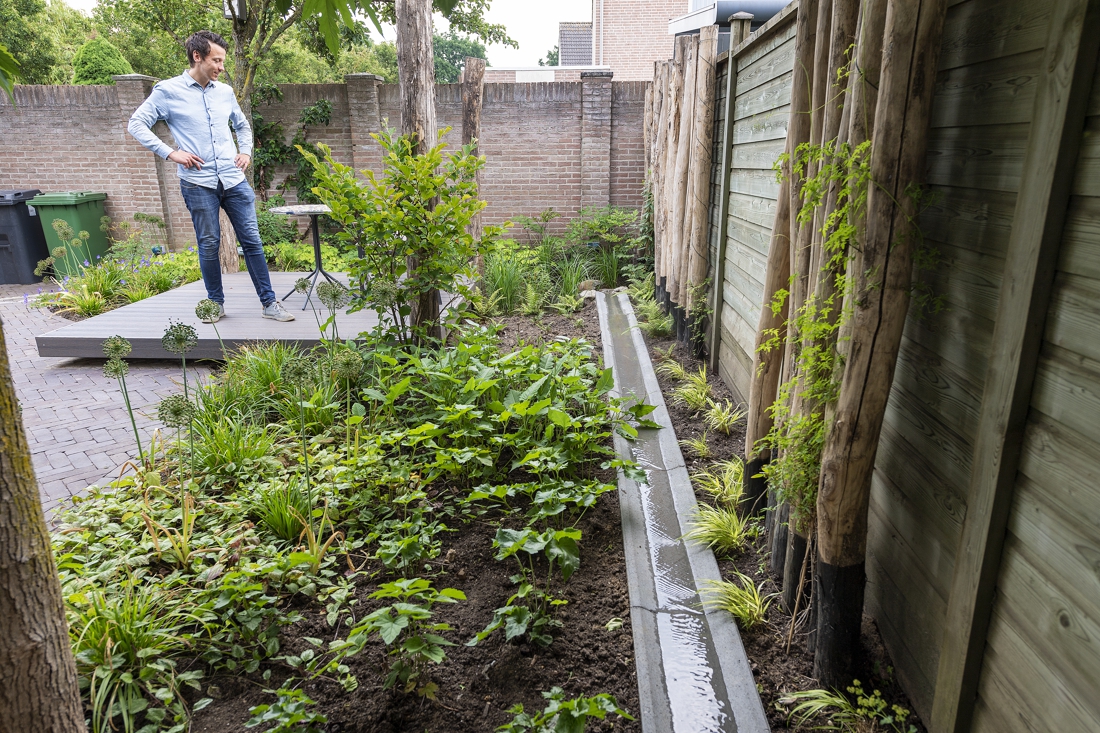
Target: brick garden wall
[563, 144]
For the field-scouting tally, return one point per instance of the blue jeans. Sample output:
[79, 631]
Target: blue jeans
[239, 203]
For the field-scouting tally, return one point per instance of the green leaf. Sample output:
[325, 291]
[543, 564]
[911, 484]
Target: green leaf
[559, 418]
[452, 593]
[605, 383]
[9, 72]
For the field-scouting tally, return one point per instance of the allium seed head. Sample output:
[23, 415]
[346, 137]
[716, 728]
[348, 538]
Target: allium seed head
[301, 285]
[207, 309]
[347, 365]
[333, 295]
[115, 368]
[116, 347]
[175, 411]
[297, 370]
[179, 338]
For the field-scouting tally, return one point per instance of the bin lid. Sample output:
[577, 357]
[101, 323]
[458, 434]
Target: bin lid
[11, 198]
[67, 198]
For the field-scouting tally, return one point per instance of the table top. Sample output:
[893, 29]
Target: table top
[301, 210]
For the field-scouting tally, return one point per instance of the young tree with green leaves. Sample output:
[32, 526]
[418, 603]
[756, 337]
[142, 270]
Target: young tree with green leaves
[26, 43]
[451, 51]
[97, 62]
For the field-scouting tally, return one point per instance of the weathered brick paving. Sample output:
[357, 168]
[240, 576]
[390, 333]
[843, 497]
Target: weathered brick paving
[75, 418]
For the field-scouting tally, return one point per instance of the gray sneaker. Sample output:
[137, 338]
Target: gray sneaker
[277, 312]
[211, 317]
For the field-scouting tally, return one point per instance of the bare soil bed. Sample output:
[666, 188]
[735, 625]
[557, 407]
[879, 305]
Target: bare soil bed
[777, 672]
[477, 685]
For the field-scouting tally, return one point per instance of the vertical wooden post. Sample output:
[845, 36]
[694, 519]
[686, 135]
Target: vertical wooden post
[416, 76]
[681, 182]
[674, 100]
[702, 162]
[740, 24]
[660, 155]
[913, 34]
[473, 89]
[1065, 81]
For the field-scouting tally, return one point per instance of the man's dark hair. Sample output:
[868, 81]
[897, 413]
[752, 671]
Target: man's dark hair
[200, 42]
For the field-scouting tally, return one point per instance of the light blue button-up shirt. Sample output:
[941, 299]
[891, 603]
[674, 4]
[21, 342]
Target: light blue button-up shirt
[199, 119]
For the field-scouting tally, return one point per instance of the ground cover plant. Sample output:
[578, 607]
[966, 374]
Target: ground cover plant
[548, 270]
[135, 267]
[202, 565]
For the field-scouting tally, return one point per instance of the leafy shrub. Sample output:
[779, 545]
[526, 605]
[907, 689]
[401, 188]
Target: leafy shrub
[417, 211]
[290, 713]
[97, 61]
[277, 228]
[566, 716]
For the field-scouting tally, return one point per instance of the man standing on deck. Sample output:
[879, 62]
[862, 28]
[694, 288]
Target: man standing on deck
[198, 110]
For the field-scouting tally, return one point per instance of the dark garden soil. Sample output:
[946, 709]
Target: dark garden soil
[777, 673]
[477, 685]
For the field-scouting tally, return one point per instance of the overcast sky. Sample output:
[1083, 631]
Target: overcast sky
[533, 24]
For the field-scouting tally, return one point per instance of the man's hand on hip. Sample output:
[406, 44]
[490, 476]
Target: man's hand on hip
[187, 160]
[242, 161]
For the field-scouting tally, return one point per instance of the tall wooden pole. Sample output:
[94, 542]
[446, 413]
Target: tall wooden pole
[681, 181]
[38, 683]
[675, 102]
[473, 90]
[416, 76]
[798, 132]
[911, 47]
[702, 160]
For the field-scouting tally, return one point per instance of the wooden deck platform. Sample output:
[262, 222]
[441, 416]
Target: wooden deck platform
[143, 323]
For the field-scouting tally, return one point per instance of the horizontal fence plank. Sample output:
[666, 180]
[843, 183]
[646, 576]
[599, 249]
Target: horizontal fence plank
[1073, 321]
[969, 218]
[1080, 253]
[1068, 390]
[1038, 701]
[775, 93]
[775, 63]
[753, 209]
[966, 280]
[957, 336]
[986, 157]
[1000, 91]
[936, 501]
[747, 234]
[760, 155]
[1063, 462]
[778, 37]
[754, 182]
[948, 392]
[1087, 180]
[1056, 627]
[732, 370]
[768, 125]
[981, 30]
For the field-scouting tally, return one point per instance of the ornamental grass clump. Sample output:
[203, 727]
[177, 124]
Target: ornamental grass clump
[116, 347]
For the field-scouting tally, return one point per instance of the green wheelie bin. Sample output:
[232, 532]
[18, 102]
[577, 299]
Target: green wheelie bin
[82, 211]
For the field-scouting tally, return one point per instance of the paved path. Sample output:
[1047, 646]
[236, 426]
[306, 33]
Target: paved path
[75, 418]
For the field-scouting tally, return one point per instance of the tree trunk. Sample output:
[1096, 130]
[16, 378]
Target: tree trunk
[702, 158]
[227, 251]
[416, 75]
[911, 49]
[473, 89]
[38, 682]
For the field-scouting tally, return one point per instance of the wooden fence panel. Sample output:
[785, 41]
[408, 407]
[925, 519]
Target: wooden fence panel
[760, 108]
[1042, 663]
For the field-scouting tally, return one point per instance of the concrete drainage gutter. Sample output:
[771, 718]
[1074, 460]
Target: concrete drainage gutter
[693, 675]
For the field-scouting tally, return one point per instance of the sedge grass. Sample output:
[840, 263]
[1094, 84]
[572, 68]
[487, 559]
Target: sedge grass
[742, 599]
[723, 416]
[722, 530]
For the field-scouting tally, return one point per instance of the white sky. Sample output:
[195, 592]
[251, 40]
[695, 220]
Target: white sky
[534, 25]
